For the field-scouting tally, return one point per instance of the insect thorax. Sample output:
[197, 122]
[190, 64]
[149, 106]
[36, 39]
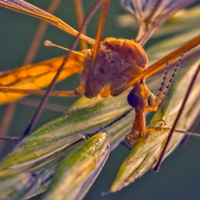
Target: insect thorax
[117, 63]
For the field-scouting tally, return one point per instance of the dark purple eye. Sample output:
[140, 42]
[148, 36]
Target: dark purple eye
[134, 99]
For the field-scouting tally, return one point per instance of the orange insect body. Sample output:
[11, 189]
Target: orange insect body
[111, 67]
[117, 63]
[37, 76]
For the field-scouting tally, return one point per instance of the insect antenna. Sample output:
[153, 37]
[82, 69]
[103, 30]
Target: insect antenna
[160, 64]
[162, 84]
[52, 84]
[4, 126]
[158, 164]
[157, 103]
[54, 93]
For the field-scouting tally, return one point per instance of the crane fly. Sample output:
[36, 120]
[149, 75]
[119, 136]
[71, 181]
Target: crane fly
[119, 62]
[111, 67]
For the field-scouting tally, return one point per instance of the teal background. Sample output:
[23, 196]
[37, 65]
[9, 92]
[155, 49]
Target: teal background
[179, 175]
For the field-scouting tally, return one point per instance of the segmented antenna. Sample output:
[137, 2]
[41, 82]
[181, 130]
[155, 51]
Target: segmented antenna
[162, 84]
[157, 166]
[169, 83]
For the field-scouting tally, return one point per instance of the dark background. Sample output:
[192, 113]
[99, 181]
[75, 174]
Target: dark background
[179, 177]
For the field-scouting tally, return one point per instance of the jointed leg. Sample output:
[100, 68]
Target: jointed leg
[162, 84]
[162, 121]
[72, 93]
[169, 83]
[159, 100]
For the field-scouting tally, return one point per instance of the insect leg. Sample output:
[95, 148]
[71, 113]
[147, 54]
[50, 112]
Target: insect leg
[160, 64]
[162, 121]
[72, 93]
[97, 44]
[39, 34]
[80, 16]
[157, 166]
[158, 102]
[51, 86]
[163, 82]
[29, 9]
[169, 83]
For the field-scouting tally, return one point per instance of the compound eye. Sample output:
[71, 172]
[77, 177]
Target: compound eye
[151, 100]
[134, 99]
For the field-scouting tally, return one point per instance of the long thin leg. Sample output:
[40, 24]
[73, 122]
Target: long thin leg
[169, 83]
[158, 102]
[29, 9]
[157, 166]
[55, 93]
[4, 128]
[39, 35]
[97, 44]
[162, 84]
[72, 93]
[160, 64]
[51, 86]
[168, 129]
[162, 121]
[80, 16]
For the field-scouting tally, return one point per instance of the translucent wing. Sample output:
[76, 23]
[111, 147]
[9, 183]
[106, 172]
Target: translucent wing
[29, 9]
[37, 76]
[151, 14]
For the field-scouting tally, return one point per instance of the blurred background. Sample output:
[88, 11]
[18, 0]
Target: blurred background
[179, 176]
